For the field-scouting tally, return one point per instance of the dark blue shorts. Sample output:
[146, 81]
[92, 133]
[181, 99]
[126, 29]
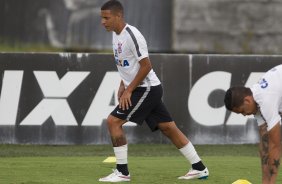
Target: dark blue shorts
[146, 106]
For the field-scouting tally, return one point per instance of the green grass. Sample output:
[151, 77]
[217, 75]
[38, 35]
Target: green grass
[7, 150]
[152, 164]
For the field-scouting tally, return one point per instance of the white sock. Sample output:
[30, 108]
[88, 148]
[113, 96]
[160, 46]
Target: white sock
[121, 154]
[190, 153]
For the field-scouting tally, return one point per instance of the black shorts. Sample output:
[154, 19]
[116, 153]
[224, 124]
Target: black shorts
[146, 106]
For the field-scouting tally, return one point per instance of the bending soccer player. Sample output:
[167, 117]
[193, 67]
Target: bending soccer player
[140, 96]
[264, 101]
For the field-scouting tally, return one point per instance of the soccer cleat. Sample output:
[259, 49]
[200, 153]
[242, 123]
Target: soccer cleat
[195, 174]
[116, 176]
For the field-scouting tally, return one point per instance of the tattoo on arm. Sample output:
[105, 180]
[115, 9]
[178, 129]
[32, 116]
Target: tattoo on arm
[271, 172]
[265, 147]
[270, 152]
[276, 163]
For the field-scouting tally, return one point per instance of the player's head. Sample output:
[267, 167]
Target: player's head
[112, 15]
[240, 99]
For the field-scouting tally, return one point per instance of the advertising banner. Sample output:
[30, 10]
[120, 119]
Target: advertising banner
[65, 98]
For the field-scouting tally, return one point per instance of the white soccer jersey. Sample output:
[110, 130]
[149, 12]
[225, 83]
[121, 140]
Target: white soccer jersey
[129, 48]
[268, 95]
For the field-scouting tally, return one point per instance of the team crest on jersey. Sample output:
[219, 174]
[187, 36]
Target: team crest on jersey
[119, 47]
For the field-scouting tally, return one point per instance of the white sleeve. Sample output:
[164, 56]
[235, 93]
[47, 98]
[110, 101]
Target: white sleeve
[269, 111]
[137, 44]
[259, 118]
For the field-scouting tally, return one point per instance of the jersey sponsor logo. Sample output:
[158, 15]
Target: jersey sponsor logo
[263, 83]
[116, 53]
[122, 63]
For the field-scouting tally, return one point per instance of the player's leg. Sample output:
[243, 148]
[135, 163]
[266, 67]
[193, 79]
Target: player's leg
[119, 142]
[170, 130]
[198, 170]
[161, 119]
[136, 113]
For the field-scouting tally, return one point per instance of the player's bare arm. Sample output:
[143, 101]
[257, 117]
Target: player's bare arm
[270, 151]
[263, 149]
[145, 68]
[274, 152]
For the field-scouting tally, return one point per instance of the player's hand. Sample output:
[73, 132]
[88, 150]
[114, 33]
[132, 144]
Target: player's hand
[124, 101]
[120, 92]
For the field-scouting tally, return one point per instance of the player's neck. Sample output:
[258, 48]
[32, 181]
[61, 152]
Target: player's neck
[120, 27]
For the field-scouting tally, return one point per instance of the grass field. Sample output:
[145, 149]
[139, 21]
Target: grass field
[152, 164]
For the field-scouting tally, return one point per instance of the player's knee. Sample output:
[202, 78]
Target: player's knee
[113, 122]
[110, 121]
[167, 128]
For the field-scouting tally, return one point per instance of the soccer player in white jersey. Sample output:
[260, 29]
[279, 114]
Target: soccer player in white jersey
[140, 96]
[264, 101]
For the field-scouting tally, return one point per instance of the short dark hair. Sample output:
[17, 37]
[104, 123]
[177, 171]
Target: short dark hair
[234, 96]
[113, 5]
